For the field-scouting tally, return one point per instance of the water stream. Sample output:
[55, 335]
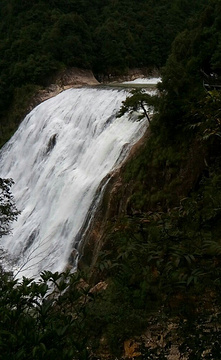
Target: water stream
[57, 159]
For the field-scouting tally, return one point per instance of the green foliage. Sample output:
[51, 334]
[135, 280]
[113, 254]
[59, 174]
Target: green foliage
[168, 243]
[192, 56]
[138, 101]
[207, 117]
[165, 265]
[8, 210]
[43, 319]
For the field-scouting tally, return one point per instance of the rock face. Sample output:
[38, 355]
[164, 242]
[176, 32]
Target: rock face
[113, 204]
[64, 80]
[130, 349]
[75, 77]
[130, 75]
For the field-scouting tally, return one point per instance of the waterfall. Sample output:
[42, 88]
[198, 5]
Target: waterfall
[58, 158]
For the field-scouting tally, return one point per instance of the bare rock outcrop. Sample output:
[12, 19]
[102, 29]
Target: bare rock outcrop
[66, 79]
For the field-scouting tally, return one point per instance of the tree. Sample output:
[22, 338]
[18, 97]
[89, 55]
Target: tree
[8, 210]
[43, 319]
[195, 51]
[139, 100]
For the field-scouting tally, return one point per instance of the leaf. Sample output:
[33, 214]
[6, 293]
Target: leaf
[189, 258]
[62, 330]
[189, 280]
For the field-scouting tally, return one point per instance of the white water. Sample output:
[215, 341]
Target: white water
[145, 81]
[57, 158]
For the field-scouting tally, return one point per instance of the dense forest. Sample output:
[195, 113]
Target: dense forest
[159, 267]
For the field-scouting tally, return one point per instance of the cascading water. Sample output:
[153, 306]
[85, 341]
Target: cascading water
[57, 159]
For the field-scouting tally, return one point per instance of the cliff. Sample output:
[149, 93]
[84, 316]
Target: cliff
[71, 77]
[113, 204]
[166, 185]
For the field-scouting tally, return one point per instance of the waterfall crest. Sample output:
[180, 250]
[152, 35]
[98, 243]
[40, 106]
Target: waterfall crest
[57, 158]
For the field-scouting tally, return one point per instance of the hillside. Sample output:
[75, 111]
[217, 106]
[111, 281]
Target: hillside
[160, 240]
